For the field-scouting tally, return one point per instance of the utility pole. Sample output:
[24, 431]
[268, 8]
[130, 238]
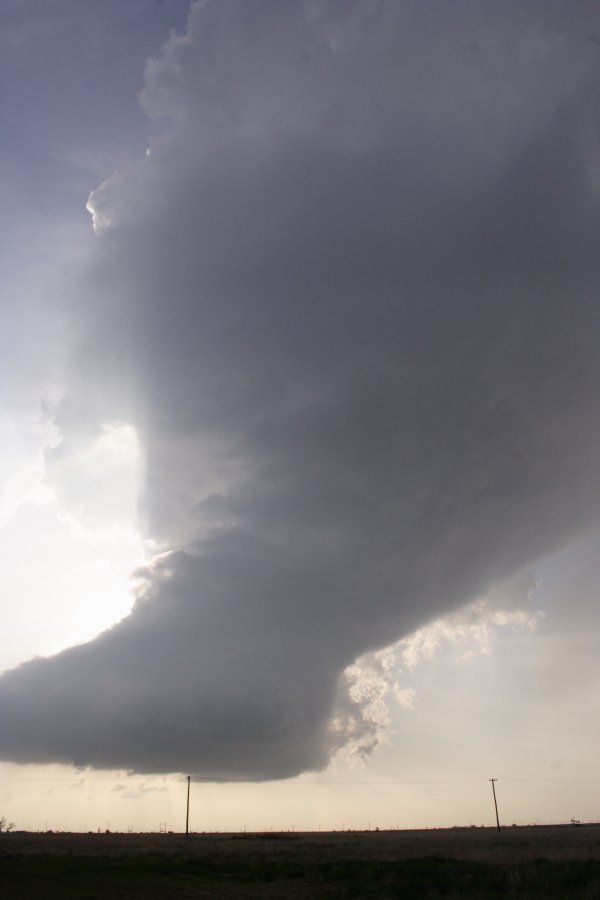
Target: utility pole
[493, 780]
[187, 811]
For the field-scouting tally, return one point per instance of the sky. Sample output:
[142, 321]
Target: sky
[299, 413]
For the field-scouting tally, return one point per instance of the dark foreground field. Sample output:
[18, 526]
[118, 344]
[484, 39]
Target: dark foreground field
[517, 862]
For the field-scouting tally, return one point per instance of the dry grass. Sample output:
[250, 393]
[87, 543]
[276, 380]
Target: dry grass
[560, 861]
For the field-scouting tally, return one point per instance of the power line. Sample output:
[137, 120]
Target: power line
[555, 780]
[315, 784]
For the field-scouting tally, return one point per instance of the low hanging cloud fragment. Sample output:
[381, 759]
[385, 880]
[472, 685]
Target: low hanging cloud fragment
[349, 302]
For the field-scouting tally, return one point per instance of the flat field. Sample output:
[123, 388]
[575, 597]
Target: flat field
[540, 862]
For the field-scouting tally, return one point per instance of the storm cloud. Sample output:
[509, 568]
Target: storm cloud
[348, 300]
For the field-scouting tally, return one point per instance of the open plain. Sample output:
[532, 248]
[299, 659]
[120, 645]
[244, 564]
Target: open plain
[534, 861]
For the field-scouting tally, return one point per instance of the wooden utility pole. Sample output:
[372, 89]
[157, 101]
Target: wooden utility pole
[187, 811]
[495, 801]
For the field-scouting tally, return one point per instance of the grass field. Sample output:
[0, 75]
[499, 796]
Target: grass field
[540, 862]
